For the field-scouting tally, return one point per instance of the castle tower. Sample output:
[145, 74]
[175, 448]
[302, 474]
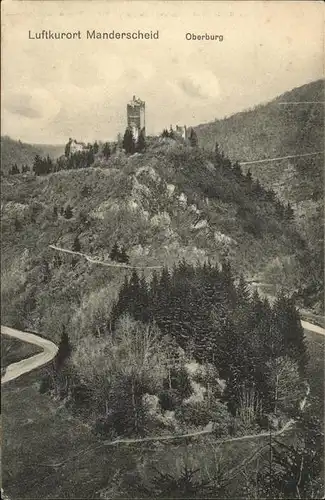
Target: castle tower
[136, 118]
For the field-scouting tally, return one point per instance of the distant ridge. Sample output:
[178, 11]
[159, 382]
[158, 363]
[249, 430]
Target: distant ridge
[291, 135]
[273, 129]
[282, 144]
[20, 153]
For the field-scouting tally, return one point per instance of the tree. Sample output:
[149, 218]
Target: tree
[138, 360]
[249, 177]
[57, 261]
[128, 142]
[76, 247]
[141, 143]
[173, 357]
[237, 170]
[45, 271]
[242, 292]
[90, 158]
[14, 170]
[187, 479]
[299, 466]
[25, 169]
[55, 211]
[178, 379]
[287, 320]
[257, 311]
[193, 138]
[134, 293]
[218, 154]
[228, 284]
[42, 166]
[38, 165]
[171, 133]
[95, 147]
[67, 148]
[64, 350]
[249, 407]
[283, 379]
[114, 253]
[257, 188]
[48, 165]
[106, 150]
[17, 224]
[123, 256]
[288, 212]
[68, 214]
[61, 164]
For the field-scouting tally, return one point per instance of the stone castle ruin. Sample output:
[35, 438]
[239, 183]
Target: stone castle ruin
[182, 131]
[136, 119]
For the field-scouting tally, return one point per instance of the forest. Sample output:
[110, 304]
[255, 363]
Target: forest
[189, 350]
[251, 355]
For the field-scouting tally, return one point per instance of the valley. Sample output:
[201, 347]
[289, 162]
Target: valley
[144, 266]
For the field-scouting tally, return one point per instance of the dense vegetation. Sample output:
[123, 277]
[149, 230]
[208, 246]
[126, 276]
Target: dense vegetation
[277, 130]
[189, 349]
[171, 202]
[192, 314]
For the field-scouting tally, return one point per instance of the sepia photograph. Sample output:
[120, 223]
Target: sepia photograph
[162, 249]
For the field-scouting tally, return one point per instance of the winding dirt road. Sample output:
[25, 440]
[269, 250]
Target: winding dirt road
[15, 370]
[312, 328]
[101, 262]
[267, 160]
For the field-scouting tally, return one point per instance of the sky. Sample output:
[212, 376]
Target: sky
[56, 89]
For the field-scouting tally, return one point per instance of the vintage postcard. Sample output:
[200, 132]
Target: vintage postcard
[162, 250]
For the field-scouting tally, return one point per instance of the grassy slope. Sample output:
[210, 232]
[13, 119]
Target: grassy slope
[13, 350]
[131, 204]
[23, 154]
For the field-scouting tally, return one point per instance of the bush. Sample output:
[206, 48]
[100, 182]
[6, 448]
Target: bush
[197, 414]
[208, 376]
[170, 399]
[201, 413]
[180, 381]
[222, 420]
[81, 395]
[103, 427]
[239, 428]
[124, 418]
[46, 384]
